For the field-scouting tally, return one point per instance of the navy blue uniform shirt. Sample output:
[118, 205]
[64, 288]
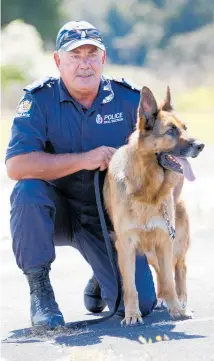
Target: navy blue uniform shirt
[49, 119]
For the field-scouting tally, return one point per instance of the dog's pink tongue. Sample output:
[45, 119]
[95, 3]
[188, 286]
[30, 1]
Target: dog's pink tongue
[187, 169]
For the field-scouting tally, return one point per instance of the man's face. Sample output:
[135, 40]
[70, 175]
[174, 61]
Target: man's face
[81, 68]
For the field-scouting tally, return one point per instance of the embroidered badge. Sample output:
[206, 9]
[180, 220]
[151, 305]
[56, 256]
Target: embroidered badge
[109, 118]
[107, 87]
[24, 108]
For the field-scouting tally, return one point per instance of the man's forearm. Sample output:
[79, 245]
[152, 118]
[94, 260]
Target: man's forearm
[41, 165]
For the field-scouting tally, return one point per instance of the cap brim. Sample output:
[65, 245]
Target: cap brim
[71, 45]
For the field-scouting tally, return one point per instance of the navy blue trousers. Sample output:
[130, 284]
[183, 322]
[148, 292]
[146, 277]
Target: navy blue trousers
[42, 218]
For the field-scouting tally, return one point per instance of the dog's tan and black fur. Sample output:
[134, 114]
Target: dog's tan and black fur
[137, 192]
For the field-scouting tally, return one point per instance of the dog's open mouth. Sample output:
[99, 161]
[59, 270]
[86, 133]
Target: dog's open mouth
[176, 164]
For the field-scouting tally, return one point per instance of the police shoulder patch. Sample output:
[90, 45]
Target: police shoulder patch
[24, 109]
[127, 84]
[38, 84]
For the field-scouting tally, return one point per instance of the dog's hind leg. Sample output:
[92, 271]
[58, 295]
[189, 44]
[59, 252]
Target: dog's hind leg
[153, 261]
[127, 260]
[161, 303]
[180, 282]
[165, 255]
[181, 245]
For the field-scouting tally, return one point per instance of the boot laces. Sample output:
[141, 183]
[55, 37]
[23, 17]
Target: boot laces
[42, 291]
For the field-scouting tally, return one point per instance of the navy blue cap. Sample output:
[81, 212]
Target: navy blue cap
[77, 33]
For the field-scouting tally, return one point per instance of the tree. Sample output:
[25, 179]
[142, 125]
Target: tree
[46, 16]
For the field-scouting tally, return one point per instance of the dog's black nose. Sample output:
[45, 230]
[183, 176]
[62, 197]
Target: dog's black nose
[200, 147]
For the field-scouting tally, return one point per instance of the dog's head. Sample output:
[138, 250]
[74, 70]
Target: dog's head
[161, 132]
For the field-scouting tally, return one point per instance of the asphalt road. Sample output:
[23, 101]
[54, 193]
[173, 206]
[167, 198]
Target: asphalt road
[183, 340]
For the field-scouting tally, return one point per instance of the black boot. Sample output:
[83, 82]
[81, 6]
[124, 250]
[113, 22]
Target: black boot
[92, 296]
[44, 310]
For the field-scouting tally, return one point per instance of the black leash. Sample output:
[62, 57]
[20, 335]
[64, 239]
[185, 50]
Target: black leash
[110, 251]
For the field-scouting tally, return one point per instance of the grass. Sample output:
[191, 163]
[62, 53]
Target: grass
[200, 125]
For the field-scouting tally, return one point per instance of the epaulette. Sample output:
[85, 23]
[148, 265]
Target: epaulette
[126, 84]
[38, 84]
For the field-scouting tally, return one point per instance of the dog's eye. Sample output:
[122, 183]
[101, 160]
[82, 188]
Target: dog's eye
[185, 127]
[172, 131]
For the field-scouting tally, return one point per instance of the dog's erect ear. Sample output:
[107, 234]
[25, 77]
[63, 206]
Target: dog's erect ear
[167, 102]
[147, 110]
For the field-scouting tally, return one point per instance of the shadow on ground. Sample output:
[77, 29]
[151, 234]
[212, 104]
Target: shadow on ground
[156, 324]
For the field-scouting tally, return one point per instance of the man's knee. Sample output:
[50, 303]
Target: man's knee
[32, 191]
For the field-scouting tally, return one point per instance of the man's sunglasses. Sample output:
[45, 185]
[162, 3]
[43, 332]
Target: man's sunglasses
[72, 35]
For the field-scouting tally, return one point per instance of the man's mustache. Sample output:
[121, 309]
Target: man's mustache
[85, 73]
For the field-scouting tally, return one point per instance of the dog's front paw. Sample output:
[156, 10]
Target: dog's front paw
[180, 314]
[187, 313]
[132, 318]
[161, 304]
[183, 301]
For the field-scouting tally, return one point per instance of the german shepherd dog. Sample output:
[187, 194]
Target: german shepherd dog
[138, 195]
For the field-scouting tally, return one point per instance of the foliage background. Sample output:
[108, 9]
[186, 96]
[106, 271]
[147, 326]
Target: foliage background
[149, 42]
[135, 31]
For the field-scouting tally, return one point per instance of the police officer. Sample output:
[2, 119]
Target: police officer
[63, 130]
